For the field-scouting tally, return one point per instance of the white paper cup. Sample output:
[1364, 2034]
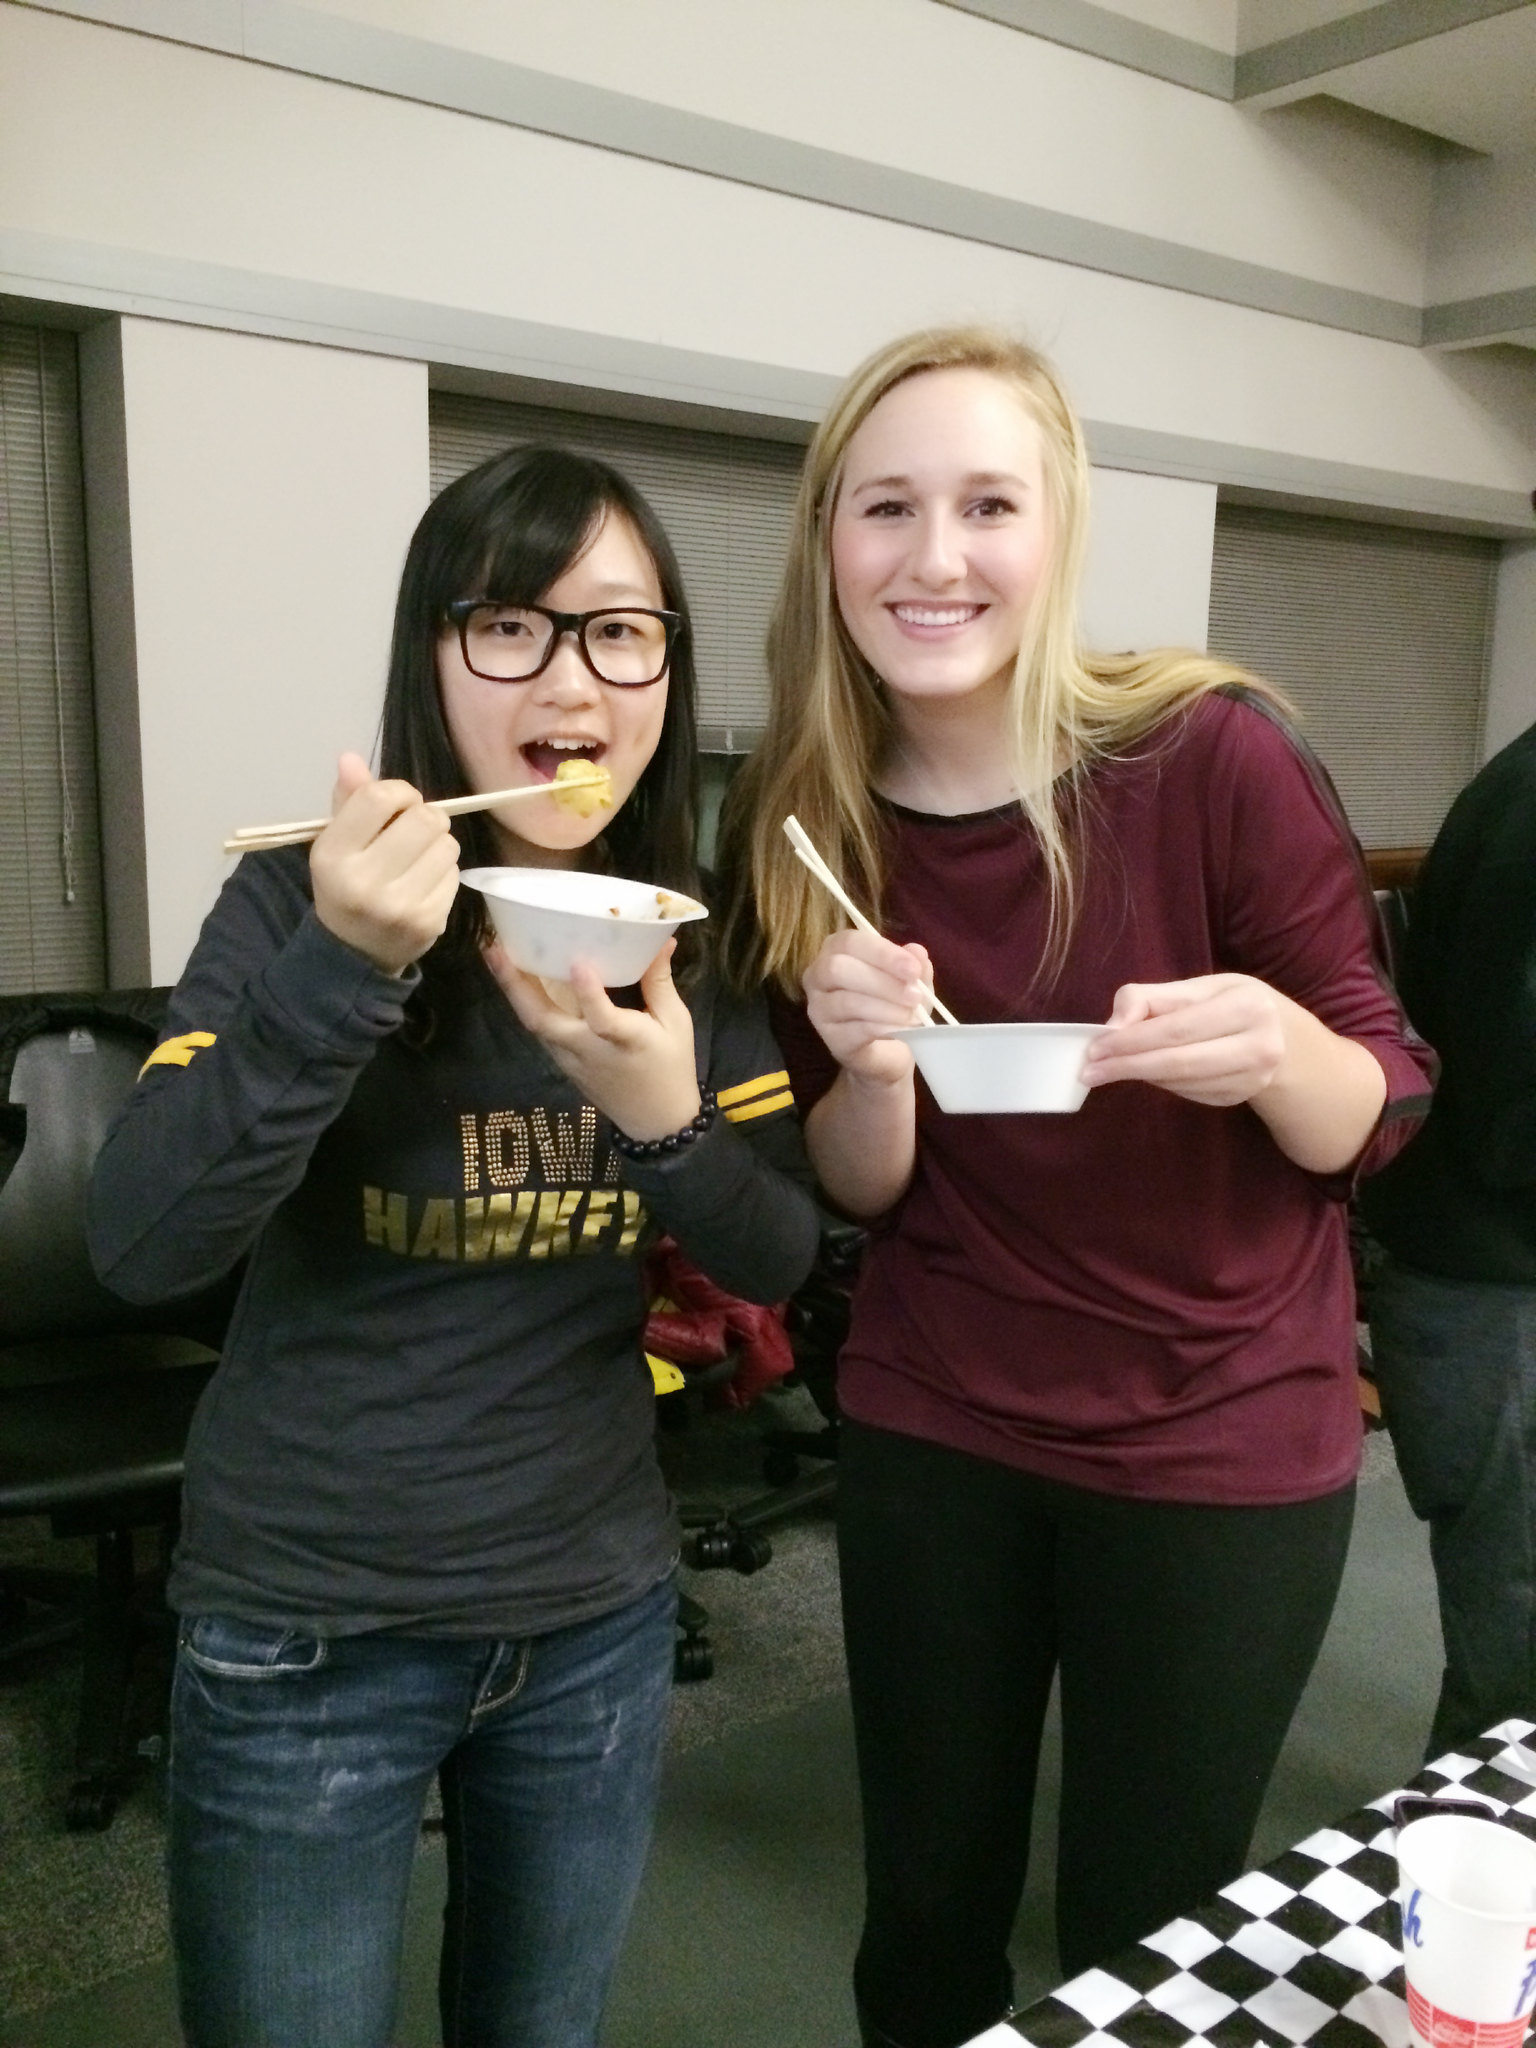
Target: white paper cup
[1002, 1069]
[1469, 1931]
[549, 918]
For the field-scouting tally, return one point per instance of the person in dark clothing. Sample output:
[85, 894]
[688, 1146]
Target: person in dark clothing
[425, 1534]
[1098, 1401]
[1453, 1308]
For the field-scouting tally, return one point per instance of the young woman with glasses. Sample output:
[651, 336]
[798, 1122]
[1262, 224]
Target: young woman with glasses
[425, 1536]
[1099, 1397]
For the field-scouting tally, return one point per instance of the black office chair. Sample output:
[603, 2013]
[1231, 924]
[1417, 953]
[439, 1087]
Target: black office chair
[95, 1396]
[735, 1539]
[819, 1316]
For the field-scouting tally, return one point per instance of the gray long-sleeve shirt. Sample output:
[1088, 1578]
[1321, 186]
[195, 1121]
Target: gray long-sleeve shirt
[432, 1412]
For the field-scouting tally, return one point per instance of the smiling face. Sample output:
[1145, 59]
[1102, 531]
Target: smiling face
[507, 735]
[941, 534]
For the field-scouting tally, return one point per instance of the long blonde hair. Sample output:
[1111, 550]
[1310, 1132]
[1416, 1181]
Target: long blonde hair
[828, 722]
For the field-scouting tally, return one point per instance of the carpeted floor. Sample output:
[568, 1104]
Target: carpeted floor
[750, 1907]
[82, 1909]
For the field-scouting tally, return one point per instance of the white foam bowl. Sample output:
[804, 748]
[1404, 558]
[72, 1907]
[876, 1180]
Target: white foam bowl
[1002, 1069]
[549, 918]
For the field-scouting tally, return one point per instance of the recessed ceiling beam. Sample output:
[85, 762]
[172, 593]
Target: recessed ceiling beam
[1393, 25]
[1102, 32]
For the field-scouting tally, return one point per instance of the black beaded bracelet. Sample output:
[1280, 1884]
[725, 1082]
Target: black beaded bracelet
[675, 1141]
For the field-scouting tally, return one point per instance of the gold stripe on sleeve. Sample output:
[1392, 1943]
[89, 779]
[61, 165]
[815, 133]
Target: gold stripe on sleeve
[752, 1109]
[665, 1377]
[745, 1090]
[177, 1052]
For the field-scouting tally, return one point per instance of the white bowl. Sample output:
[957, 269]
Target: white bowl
[1002, 1069]
[549, 918]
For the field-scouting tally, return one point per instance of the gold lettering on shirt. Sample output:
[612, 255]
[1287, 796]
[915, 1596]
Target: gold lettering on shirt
[597, 1219]
[384, 1221]
[550, 1224]
[469, 1132]
[437, 1235]
[506, 1149]
[566, 1143]
[495, 1228]
[552, 1227]
[634, 1221]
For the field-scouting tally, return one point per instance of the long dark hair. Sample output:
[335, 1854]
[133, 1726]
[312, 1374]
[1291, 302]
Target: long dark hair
[508, 530]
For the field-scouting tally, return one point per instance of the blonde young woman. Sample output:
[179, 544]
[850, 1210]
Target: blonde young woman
[1099, 1392]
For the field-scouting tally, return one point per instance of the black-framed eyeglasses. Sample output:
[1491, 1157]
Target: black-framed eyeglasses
[625, 645]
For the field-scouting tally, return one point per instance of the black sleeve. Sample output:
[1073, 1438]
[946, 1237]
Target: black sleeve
[1470, 981]
[739, 1200]
[266, 1034]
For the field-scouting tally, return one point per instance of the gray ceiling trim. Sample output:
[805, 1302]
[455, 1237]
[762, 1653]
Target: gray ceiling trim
[1100, 32]
[678, 405]
[50, 269]
[467, 350]
[1306, 482]
[1493, 318]
[298, 38]
[1391, 26]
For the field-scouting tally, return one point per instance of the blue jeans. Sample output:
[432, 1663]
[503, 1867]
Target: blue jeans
[299, 1769]
[1456, 1364]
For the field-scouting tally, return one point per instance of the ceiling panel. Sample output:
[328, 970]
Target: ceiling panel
[1473, 85]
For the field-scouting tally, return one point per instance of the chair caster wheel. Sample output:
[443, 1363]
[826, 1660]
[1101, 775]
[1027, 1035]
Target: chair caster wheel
[712, 1549]
[89, 1807]
[750, 1552]
[693, 1659]
[780, 1467]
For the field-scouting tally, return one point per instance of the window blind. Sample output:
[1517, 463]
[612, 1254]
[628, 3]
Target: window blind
[1379, 634]
[51, 925]
[724, 499]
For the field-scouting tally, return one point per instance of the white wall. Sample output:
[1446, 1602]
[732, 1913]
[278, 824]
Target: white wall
[1483, 234]
[271, 491]
[1512, 660]
[149, 150]
[161, 178]
[1147, 579]
[1213, 22]
[997, 111]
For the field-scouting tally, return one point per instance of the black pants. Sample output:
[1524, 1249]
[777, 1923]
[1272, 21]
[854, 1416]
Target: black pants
[1184, 1635]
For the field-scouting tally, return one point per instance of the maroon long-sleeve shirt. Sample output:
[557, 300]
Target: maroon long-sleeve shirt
[1146, 1297]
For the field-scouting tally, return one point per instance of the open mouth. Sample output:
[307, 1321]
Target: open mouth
[544, 756]
[936, 617]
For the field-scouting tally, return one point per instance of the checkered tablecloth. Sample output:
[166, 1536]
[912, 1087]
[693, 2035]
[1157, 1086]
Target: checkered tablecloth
[1306, 1949]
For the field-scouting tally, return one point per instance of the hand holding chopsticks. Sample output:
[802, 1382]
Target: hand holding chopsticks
[800, 840]
[580, 786]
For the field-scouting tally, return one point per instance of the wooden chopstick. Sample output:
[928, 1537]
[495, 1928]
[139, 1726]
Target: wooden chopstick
[800, 840]
[262, 838]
